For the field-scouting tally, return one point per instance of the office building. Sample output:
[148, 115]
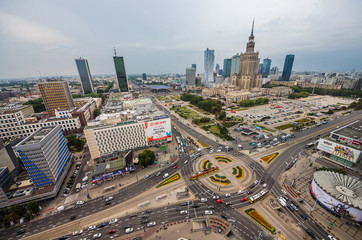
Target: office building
[235, 62]
[85, 75]
[266, 67]
[144, 76]
[8, 158]
[191, 76]
[194, 66]
[288, 66]
[44, 154]
[209, 58]
[121, 74]
[227, 67]
[274, 70]
[247, 77]
[56, 94]
[217, 69]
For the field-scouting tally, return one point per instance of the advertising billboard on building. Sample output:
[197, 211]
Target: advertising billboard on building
[158, 130]
[339, 150]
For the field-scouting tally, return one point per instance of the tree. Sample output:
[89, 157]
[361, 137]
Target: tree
[222, 115]
[37, 105]
[146, 158]
[196, 121]
[33, 207]
[96, 113]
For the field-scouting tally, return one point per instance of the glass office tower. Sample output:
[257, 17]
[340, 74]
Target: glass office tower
[121, 74]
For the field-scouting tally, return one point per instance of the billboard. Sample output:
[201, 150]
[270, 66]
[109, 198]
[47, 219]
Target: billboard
[158, 130]
[339, 150]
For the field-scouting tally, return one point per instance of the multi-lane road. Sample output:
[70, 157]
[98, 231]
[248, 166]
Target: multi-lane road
[60, 222]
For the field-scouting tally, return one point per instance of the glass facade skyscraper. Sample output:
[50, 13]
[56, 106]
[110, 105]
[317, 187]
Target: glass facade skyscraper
[121, 74]
[288, 66]
[209, 58]
[227, 67]
[235, 62]
[193, 65]
[85, 75]
[266, 67]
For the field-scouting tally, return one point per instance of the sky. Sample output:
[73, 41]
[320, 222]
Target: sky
[42, 38]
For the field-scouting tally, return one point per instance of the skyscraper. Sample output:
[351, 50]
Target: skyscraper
[217, 68]
[44, 155]
[227, 67]
[288, 66]
[266, 67]
[121, 73]
[235, 62]
[194, 66]
[144, 76]
[209, 59]
[247, 77]
[191, 76]
[56, 95]
[274, 70]
[85, 75]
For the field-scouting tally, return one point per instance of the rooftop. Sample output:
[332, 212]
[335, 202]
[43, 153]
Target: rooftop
[353, 130]
[38, 136]
[342, 187]
[159, 87]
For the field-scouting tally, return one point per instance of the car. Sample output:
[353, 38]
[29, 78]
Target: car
[158, 174]
[303, 217]
[250, 192]
[108, 202]
[224, 217]
[241, 192]
[166, 175]
[178, 209]
[144, 220]
[290, 208]
[102, 225]
[133, 215]
[228, 203]
[331, 237]
[203, 200]
[215, 197]
[219, 201]
[129, 230]
[186, 161]
[147, 176]
[265, 185]
[283, 191]
[310, 233]
[92, 227]
[127, 226]
[110, 231]
[211, 207]
[183, 212]
[208, 212]
[151, 224]
[228, 195]
[145, 216]
[243, 199]
[72, 217]
[184, 204]
[80, 202]
[64, 237]
[195, 206]
[21, 231]
[112, 221]
[80, 231]
[219, 150]
[97, 235]
[252, 186]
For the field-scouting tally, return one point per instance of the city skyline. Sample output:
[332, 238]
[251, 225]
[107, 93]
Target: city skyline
[153, 45]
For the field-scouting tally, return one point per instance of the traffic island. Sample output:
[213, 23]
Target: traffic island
[269, 158]
[171, 179]
[238, 172]
[251, 212]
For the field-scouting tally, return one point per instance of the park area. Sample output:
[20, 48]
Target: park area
[185, 112]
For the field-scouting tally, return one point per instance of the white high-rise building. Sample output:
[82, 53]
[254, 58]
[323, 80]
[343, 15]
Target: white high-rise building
[191, 76]
[209, 58]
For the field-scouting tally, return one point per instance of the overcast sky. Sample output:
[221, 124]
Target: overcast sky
[166, 36]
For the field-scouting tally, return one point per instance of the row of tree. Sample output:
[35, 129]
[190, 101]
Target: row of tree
[200, 120]
[75, 142]
[37, 104]
[15, 212]
[251, 103]
[295, 95]
[209, 105]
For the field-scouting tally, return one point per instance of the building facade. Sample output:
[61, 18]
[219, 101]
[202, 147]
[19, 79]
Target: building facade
[209, 58]
[85, 75]
[235, 62]
[266, 67]
[44, 154]
[288, 66]
[247, 77]
[194, 66]
[191, 76]
[227, 67]
[121, 74]
[56, 94]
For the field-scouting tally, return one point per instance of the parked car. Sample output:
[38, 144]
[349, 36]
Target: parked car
[243, 199]
[208, 212]
[129, 230]
[151, 224]
[203, 200]
[92, 227]
[183, 212]
[211, 207]
[219, 201]
[97, 235]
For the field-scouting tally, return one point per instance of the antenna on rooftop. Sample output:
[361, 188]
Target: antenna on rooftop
[115, 53]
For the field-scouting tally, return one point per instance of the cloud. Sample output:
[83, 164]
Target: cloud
[32, 32]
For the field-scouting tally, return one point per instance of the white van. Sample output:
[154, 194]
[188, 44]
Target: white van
[59, 209]
[166, 175]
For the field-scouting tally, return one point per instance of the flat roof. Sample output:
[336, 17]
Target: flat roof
[353, 130]
[38, 136]
[159, 87]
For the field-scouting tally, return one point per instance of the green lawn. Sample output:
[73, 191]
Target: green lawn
[185, 112]
[199, 109]
[162, 98]
[175, 97]
[283, 127]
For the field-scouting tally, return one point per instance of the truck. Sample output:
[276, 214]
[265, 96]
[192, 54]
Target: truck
[77, 187]
[282, 202]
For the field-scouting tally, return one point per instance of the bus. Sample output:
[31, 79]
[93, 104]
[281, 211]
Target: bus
[258, 196]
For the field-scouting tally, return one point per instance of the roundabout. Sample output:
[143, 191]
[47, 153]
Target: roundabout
[229, 173]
